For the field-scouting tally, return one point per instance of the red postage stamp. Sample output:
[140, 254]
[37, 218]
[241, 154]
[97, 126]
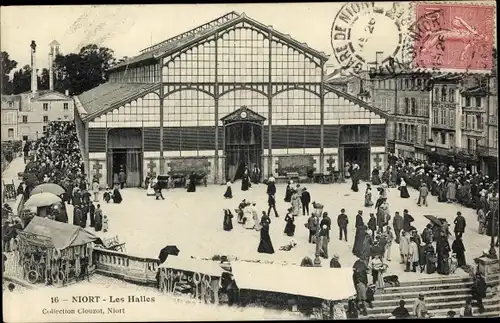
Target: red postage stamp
[454, 36]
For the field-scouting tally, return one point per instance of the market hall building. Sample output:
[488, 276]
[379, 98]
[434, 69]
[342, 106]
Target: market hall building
[228, 94]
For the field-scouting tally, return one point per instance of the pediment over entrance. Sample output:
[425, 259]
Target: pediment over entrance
[243, 114]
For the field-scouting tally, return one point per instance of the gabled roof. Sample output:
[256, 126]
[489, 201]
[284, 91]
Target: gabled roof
[10, 97]
[41, 93]
[355, 100]
[107, 96]
[480, 90]
[193, 36]
[243, 113]
[59, 235]
[41, 96]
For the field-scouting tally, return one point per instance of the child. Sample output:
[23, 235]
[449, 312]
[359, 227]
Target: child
[229, 192]
[107, 195]
[104, 223]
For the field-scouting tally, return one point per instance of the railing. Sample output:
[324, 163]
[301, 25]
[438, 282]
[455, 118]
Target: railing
[127, 267]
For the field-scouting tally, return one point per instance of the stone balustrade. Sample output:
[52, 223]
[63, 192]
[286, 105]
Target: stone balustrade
[127, 267]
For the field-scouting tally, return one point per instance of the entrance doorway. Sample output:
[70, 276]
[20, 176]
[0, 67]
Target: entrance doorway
[125, 152]
[360, 155]
[355, 147]
[243, 148]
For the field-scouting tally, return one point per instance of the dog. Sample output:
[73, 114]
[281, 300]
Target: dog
[391, 280]
[453, 264]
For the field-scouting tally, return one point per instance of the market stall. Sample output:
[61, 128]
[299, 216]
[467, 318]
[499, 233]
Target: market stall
[55, 253]
[197, 278]
[313, 291]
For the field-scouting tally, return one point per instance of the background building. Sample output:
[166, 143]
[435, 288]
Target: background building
[445, 118]
[404, 97]
[229, 93]
[473, 124]
[37, 108]
[11, 104]
[489, 152]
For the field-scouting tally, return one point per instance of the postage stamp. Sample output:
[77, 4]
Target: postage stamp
[454, 36]
[370, 33]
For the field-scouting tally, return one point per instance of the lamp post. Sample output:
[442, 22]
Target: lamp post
[493, 202]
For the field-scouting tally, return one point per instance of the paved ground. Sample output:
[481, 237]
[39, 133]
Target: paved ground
[193, 222]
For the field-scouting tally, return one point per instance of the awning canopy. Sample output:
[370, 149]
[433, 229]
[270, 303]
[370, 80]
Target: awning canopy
[206, 267]
[324, 283]
[59, 235]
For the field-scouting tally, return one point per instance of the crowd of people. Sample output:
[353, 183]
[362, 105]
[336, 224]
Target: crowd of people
[437, 247]
[55, 158]
[429, 251]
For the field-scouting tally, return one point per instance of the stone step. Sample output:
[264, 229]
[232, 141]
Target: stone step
[490, 311]
[381, 295]
[456, 297]
[430, 286]
[454, 305]
[495, 278]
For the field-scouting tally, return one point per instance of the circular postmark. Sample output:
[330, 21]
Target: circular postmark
[369, 33]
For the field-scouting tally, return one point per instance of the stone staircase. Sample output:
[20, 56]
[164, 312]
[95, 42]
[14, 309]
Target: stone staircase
[441, 295]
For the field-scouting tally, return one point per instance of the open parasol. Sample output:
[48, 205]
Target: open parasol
[433, 219]
[42, 199]
[168, 250]
[48, 188]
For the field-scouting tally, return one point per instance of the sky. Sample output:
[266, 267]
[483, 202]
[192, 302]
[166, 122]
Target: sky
[128, 29]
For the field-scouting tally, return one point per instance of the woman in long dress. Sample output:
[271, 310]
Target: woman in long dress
[322, 245]
[265, 245]
[229, 192]
[355, 178]
[227, 225]
[117, 196]
[245, 180]
[403, 190]
[443, 253]
[192, 183]
[347, 170]
[442, 191]
[296, 204]
[376, 177]
[368, 196]
[451, 191]
[430, 259]
[290, 226]
[288, 192]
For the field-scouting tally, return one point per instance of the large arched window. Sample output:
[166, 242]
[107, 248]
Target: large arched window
[189, 108]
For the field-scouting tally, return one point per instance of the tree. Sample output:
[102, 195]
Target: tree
[21, 80]
[44, 80]
[83, 71]
[7, 66]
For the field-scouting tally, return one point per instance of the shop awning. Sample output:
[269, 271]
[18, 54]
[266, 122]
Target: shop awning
[324, 283]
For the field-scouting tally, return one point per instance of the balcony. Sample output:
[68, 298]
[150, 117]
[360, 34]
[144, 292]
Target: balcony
[474, 109]
[467, 152]
[443, 126]
[438, 149]
[474, 132]
[485, 151]
[441, 104]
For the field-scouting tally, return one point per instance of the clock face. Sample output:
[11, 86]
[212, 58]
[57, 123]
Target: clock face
[243, 115]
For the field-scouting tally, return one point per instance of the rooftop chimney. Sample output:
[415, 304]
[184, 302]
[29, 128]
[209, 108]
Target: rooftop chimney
[54, 51]
[34, 79]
